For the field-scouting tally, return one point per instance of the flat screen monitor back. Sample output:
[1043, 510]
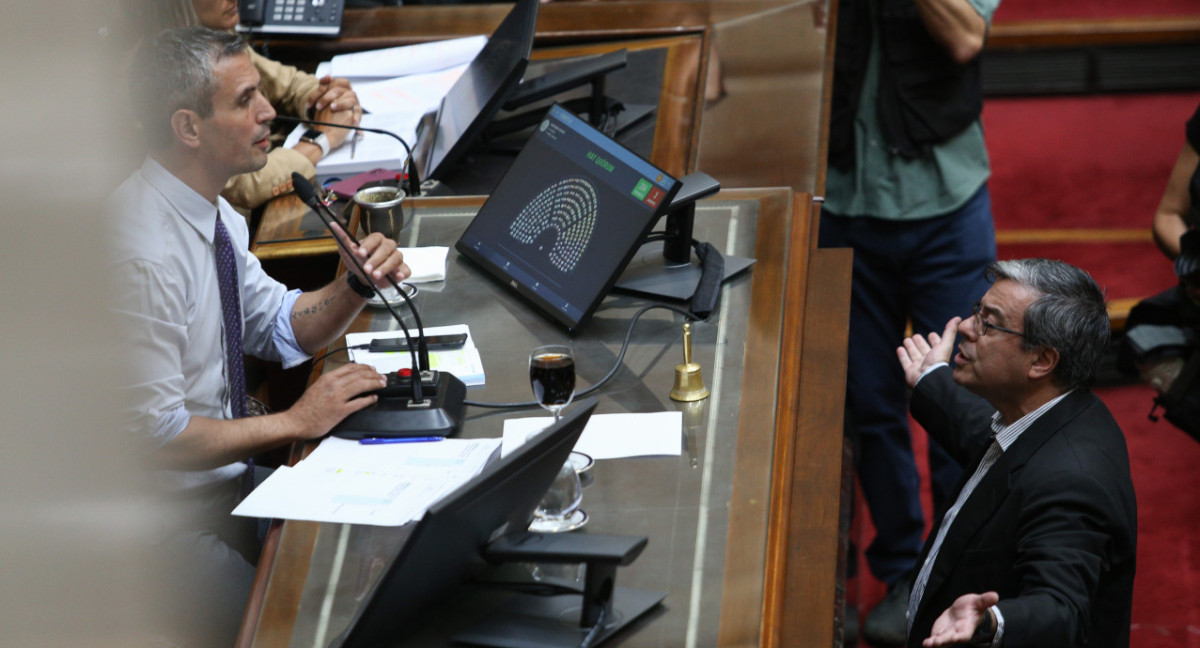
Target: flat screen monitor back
[444, 545]
[473, 100]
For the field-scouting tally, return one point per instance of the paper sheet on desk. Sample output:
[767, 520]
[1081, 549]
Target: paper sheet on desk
[427, 263]
[464, 363]
[415, 94]
[384, 485]
[406, 60]
[610, 436]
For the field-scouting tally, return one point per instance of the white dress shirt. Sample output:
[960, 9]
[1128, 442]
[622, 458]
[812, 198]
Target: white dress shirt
[169, 300]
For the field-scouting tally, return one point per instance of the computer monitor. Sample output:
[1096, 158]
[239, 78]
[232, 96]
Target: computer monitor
[490, 79]
[448, 540]
[567, 217]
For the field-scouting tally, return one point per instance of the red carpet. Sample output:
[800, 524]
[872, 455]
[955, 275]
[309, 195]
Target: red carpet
[1083, 162]
[1101, 163]
[1138, 270]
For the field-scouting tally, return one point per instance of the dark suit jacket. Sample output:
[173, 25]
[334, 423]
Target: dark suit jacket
[1052, 527]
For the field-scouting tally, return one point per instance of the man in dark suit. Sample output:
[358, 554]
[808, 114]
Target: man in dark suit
[1039, 546]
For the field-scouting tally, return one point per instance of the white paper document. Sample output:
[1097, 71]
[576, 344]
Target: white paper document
[416, 94]
[427, 263]
[408, 59]
[384, 485]
[464, 363]
[610, 436]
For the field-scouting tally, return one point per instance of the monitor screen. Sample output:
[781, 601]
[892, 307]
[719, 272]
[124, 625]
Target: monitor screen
[448, 540]
[567, 217]
[473, 100]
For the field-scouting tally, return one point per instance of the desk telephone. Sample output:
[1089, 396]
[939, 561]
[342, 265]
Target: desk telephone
[301, 17]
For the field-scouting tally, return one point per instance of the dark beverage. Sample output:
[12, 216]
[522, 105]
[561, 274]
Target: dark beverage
[552, 376]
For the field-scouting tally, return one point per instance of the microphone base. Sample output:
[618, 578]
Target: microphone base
[440, 414]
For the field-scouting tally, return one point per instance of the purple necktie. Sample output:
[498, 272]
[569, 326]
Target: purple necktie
[231, 312]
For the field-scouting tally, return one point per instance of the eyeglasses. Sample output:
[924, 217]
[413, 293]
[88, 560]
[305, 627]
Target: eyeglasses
[983, 325]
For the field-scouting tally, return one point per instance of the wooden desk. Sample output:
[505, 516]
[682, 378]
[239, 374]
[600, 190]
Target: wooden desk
[743, 526]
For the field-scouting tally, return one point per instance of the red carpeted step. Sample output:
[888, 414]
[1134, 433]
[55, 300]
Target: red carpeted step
[1085, 162]
[1122, 269]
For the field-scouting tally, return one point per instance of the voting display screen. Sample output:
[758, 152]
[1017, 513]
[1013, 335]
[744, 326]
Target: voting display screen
[567, 217]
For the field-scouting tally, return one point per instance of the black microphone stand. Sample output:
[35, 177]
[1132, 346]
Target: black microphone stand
[419, 352]
[413, 188]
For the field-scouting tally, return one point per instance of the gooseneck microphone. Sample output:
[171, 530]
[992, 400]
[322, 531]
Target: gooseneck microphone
[413, 187]
[431, 403]
[420, 360]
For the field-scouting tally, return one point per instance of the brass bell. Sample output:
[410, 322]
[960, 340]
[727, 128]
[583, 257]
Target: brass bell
[689, 383]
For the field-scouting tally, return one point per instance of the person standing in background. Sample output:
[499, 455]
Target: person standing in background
[906, 188]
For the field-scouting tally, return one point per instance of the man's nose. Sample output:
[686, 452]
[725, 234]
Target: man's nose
[966, 328]
[266, 110]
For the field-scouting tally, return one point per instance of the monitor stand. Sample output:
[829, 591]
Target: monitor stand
[650, 274]
[532, 621]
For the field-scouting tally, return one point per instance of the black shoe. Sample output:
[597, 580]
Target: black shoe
[850, 626]
[886, 624]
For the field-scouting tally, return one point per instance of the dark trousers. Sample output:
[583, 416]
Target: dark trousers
[926, 271]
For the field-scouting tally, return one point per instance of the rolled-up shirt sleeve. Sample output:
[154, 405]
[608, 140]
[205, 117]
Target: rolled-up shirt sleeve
[290, 353]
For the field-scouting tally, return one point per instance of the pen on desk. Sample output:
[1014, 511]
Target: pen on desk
[353, 144]
[383, 440]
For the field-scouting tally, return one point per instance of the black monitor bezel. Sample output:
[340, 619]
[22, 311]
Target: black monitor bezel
[440, 551]
[522, 20]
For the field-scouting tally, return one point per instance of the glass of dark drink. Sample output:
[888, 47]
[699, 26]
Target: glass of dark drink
[552, 376]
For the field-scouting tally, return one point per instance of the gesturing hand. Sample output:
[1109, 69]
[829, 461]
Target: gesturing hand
[958, 623]
[918, 354]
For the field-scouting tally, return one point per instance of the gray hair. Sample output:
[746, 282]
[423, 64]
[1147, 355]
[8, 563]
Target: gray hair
[174, 71]
[1069, 315]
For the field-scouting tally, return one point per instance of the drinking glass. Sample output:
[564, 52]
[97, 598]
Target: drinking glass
[559, 509]
[552, 376]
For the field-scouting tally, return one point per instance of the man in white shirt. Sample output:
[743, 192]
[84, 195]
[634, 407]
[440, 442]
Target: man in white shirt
[195, 299]
[1039, 546]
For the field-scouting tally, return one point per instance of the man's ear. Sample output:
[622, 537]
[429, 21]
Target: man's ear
[1044, 362]
[185, 124]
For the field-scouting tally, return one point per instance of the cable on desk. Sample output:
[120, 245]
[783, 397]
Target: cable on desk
[612, 372]
[339, 350]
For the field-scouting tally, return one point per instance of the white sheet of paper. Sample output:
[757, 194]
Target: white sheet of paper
[610, 436]
[464, 363]
[408, 59]
[418, 93]
[427, 263]
[384, 485]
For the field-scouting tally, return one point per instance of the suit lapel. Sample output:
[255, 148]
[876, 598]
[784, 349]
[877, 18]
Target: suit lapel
[991, 491]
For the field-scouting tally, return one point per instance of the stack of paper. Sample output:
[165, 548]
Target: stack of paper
[384, 485]
[395, 87]
[464, 363]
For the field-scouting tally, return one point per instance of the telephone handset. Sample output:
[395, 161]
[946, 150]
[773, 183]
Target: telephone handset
[299, 17]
